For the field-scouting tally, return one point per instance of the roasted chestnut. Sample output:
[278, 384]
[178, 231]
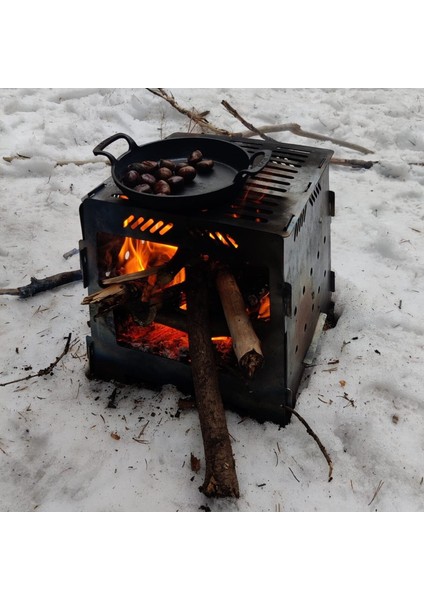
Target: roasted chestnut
[169, 164]
[148, 178]
[179, 166]
[188, 173]
[147, 166]
[143, 188]
[131, 178]
[163, 173]
[135, 167]
[162, 187]
[204, 166]
[195, 157]
[176, 182]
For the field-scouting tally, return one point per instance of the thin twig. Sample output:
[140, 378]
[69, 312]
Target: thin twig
[59, 163]
[291, 471]
[250, 127]
[193, 115]
[316, 438]
[380, 485]
[48, 369]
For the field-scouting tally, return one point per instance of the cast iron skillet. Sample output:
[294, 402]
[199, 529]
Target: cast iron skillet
[232, 166]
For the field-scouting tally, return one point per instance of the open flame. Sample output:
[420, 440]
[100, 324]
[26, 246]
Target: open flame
[138, 255]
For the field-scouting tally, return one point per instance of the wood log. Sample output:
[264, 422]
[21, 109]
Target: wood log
[42, 285]
[246, 344]
[220, 476]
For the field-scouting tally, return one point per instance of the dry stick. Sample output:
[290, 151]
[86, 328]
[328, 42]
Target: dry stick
[220, 476]
[45, 371]
[194, 115]
[380, 485]
[316, 438]
[60, 163]
[294, 128]
[354, 163]
[41, 285]
[246, 344]
[252, 128]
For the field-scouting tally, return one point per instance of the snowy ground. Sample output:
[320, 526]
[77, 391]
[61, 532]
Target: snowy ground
[56, 448]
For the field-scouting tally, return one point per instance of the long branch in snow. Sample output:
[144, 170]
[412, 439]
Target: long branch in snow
[59, 163]
[294, 128]
[45, 371]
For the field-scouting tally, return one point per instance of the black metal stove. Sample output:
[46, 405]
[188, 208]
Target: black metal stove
[275, 236]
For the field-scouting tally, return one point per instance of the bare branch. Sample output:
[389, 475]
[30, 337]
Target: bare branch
[45, 371]
[254, 130]
[41, 285]
[59, 163]
[316, 438]
[194, 115]
[294, 128]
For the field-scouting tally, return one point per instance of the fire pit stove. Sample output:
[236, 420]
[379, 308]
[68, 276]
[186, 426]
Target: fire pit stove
[274, 236]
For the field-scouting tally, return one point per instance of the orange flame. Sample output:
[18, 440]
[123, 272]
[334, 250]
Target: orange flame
[138, 255]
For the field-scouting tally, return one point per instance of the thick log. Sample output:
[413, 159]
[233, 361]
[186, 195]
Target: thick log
[246, 344]
[220, 476]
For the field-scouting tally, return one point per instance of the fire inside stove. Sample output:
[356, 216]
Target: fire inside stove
[144, 323]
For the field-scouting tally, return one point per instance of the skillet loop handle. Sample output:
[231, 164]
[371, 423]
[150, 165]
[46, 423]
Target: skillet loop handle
[99, 149]
[253, 169]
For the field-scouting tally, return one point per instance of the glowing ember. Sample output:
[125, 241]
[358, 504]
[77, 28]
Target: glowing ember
[265, 308]
[164, 341]
[155, 339]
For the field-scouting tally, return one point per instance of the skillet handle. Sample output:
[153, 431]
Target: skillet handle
[99, 149]
[253, 169]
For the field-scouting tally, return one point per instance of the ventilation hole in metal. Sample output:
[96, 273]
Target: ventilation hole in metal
[312, 270]
[147, 224]
[138, 222]
[166, 228]
[157, 226]
[295, 311]
[128, 220]
[305, 327]
[303, 290]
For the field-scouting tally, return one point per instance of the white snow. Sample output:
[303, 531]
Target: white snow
[56, 448]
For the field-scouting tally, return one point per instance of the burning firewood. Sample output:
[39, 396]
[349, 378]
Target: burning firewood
[246, 344]
[146, 285]
[220, 476]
